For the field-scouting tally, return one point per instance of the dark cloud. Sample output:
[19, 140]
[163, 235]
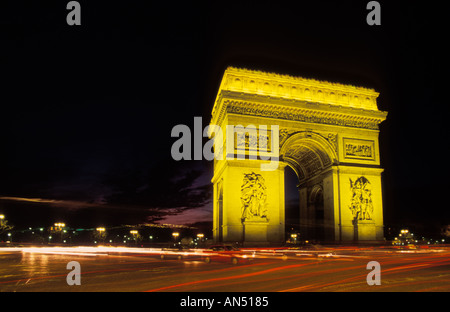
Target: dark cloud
[168, 188]
[134, 196]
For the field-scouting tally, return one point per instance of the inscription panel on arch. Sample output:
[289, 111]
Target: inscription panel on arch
[359, 149]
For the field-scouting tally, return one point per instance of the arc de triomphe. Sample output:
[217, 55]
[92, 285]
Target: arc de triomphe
[327, 133]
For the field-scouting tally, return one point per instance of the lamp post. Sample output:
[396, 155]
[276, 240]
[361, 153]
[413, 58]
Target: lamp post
[4, 226]
[135, 235]
[58, 229]
[200, 237]
[59, 226]
[100, 233]
[175, 236]
[2, 217]
[294, 237]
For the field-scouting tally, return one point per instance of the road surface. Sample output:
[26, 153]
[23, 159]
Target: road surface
[338, 269]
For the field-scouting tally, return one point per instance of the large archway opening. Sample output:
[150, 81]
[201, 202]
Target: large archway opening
[308, 156]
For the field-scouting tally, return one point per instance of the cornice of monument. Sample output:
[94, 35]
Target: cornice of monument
[330, 117]
[257, 93]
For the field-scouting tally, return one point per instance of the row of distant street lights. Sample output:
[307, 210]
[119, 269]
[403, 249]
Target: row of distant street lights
[134, 233]
[59, 227]
[405, 237]
[176, 234]
[199, 238]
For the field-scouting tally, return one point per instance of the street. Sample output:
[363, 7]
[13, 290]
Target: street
[336, 269]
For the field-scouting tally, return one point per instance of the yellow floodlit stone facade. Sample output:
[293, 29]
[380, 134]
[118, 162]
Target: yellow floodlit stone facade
[326, 132]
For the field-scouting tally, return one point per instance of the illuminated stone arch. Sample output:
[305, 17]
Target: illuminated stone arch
[326, 132]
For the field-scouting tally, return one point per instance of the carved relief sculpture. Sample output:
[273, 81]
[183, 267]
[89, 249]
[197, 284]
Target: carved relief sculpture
[332, 138]
[359, 149]
[253, 198]
[361, 204]
[252, 141]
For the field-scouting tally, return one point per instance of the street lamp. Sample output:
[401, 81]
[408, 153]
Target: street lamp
[58, 230]
[175, 236]
[200, 237]
[59, 226]
[135, 235]
[100, 234]
[294, 237]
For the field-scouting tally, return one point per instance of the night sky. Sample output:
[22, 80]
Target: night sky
[87, 111]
